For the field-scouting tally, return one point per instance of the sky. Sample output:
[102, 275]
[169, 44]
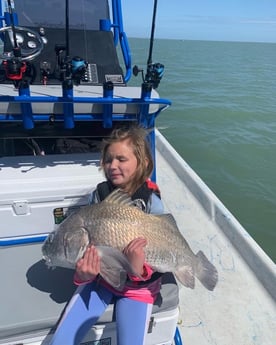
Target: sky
[215, 20]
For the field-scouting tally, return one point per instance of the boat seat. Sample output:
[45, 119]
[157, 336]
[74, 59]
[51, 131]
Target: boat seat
[31, 325]
[167, 299]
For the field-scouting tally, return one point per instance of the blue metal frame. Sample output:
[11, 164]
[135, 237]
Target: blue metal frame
[28, 117]
[120, 35]
[177, 337]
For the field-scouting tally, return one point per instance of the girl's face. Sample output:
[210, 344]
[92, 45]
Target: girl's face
[120, 164]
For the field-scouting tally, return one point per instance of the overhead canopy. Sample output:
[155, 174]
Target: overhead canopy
[83, 14]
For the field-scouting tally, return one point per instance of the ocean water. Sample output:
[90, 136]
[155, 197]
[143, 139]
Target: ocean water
[223, 122]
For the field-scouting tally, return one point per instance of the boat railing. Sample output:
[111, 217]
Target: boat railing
[68, 108]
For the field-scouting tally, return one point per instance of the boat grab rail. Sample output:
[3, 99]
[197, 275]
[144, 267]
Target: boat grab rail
[120, 36]
[106, 114]
[100, 100]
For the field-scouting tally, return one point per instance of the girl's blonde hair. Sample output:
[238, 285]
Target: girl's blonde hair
[141, 149]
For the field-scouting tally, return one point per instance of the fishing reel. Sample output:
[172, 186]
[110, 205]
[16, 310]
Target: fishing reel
[79, 69]
[21, 45]
[16, 70]
[154, 73]
[14, 66]
[74, 70]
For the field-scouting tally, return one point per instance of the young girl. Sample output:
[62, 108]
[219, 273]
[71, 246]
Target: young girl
[127, 164]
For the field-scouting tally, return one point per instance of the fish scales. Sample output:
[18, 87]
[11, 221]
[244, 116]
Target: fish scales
[117, 227]
[113, 224]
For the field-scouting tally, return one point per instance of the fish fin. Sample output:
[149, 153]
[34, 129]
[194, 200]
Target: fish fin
[114, 266]
[186, 277]
[169, 218]
[119, 197]
[205, 271]
[115, 277]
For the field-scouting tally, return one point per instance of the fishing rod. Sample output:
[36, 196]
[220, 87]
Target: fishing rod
[14, 67]
[17, 53]
[62, 52]
[15, 44]
[152, 32]
[67, 45]
[71, 69]
[155, 71]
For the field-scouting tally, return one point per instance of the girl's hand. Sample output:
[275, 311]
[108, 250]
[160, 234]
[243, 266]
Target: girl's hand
[135, 253]
[88, 267]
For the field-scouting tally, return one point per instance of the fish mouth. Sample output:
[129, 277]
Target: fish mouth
[50, 237]
[48, 261]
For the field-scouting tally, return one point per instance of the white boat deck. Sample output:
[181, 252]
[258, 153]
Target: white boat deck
[240, 310]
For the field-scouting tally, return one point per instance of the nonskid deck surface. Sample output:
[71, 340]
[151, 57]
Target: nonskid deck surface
[240, 310]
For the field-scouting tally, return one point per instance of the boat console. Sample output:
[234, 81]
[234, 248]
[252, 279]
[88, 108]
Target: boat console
[65, 69]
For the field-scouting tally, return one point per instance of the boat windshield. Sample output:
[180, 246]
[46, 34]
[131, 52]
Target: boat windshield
[83, 14]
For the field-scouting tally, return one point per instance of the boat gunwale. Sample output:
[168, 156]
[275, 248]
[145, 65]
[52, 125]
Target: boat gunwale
[255, 257]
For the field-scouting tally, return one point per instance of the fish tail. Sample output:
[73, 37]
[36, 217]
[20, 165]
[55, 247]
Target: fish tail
[205, 271]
